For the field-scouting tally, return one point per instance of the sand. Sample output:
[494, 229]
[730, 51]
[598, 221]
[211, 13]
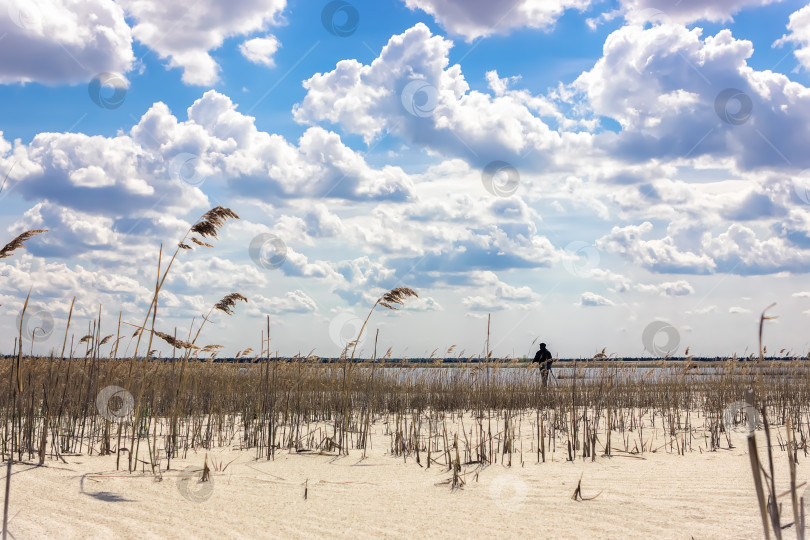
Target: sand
[654, 495]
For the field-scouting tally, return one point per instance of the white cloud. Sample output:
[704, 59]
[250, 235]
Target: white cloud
[70, 232]
[186, 34]
[297, 264]
[292, 302]
[703, 310]
[160, 166]
[669, 288]
[62, 41]
[686, 11]
[426, 303]
[620, 283]
[410, 91]
[477, 18]
[738, 310]
[679, 96]
[740, 250]
[589, 299]
[498, 295]
[660, 255]
[799, 33]
[114, 177]
[260, 50]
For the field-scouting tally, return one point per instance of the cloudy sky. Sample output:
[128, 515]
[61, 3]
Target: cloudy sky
[628, 174]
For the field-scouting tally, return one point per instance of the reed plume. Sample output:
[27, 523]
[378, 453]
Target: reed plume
[174, 342]
[393, 298]
[396, 297]
[19, 242]
[211, 222]
[227, 304]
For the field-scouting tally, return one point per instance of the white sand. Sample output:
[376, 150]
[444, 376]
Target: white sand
[699, 495]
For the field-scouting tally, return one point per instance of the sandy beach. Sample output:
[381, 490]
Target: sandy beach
[654, 495]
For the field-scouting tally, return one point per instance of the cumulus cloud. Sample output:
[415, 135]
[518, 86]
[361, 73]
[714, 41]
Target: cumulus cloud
[292, 302]
[263, 164]
[477, 18]
[589, 299]
[754, 205]
[63, 41]
[799, 33]
[660, 255]
[427, 303]
[186, 35]
[703, 310]
[498, 295]
[114, 177]
[410, 91]
[668, 288]
[58, 283]
[686, 11]
[738, 250]
[260, 50]
[680, 96]
[736, 310]
[72, 232]
[160, 166]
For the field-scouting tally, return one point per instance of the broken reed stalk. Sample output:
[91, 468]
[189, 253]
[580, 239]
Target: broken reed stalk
[794, 499]
[19, 351]
[773, 503]
[6, 499]
[8, 493]
[755, 469]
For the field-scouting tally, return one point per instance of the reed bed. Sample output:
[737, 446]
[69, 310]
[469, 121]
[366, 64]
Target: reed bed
[88, 405]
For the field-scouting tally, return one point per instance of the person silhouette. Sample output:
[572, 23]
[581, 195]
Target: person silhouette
[544, 360]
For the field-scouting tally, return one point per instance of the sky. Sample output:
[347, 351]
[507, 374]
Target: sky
[630, 176]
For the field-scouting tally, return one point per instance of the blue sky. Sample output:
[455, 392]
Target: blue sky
[651, 188]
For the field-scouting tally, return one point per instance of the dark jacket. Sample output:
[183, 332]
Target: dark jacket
[543, 357]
